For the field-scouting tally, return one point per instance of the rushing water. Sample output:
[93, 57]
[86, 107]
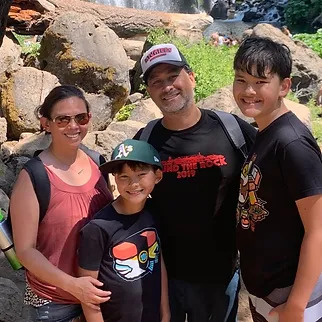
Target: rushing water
[184, 6]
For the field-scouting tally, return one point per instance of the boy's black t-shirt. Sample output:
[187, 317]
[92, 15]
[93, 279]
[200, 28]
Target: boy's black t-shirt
[125, 249]
[198, 246]
[284, 165]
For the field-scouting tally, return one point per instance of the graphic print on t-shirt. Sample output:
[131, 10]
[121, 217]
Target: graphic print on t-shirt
[136, 256]
[250, 208]
[187, 166]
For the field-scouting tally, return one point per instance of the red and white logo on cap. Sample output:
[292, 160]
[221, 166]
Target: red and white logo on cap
[158, 54]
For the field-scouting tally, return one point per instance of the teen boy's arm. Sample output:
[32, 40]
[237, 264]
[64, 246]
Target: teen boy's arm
[165, 308]
[91, 314]
[310, 262]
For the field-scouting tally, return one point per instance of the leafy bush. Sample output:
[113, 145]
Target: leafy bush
[212, 65]
[299, 14]
[29, 48]
[124, 113]
[314, 41]
[316, 115]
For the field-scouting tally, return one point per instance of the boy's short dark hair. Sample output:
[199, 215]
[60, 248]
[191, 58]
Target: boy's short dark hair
[134, 165]
[258, 56]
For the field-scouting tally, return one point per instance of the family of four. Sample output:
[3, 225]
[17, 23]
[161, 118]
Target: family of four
[166, 249]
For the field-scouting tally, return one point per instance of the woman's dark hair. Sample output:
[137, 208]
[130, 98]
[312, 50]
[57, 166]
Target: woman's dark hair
[258, 56]
[57, 94]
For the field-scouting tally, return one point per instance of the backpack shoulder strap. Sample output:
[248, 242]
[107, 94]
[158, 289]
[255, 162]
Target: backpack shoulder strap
[40, 181]
[232, 130]
[236, 137]
[146, 132]
[96, 157]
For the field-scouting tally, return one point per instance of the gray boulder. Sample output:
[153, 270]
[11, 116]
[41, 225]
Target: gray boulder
[79, 49]
[307, 65]
[223, 100]
[10, 301]
[9, 56]
[22, 92]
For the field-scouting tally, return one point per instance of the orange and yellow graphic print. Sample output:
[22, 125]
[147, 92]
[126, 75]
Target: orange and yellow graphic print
[250, 208]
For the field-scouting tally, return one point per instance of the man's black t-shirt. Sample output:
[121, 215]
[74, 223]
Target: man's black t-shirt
[197, 246]
[284, 165]
[125, 249]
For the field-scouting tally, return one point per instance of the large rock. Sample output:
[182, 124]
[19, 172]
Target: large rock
[22, 92]
[9, 56]
[6, 179]
[79, 49]
[307, 65]
[145, 111]
[223, 100]
[10, 301]
[3, 130]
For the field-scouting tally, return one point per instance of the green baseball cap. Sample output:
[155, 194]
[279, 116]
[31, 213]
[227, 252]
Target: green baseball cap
[132, 150]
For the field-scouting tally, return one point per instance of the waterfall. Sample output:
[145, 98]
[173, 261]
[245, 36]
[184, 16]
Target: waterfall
[158, 5]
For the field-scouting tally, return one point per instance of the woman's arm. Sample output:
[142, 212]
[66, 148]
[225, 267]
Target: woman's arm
[310, 262]
[165, 308]
[24, 211]
[92, 314]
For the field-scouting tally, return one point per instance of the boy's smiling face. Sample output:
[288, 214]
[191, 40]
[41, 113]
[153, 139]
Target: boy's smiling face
[135, 186]
[260, 98]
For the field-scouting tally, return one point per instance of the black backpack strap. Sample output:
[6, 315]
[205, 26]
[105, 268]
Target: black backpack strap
[40, 181]
[146, 132]
[97, 158]
[236, 137]
[232, 130]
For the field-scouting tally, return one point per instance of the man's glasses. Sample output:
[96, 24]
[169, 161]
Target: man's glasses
[64, 120]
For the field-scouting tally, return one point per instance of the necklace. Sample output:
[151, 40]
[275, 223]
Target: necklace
[69, 166]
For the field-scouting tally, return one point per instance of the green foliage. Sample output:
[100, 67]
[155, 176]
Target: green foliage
[299, 14]
[124, 113]
[316, 116]
[212, 65]
[314, 41]
[292, 97]
[28, 47]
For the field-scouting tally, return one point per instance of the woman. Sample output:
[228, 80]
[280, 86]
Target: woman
[47, 248]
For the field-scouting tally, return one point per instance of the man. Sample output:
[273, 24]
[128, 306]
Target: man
[198, 160]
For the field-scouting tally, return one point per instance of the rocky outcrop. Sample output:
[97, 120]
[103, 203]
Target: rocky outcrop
[223, 100]
[260, 10]
[20, 94]
[30, 16]
[9, 56]
[125, 22]
[91, 57]
[307, 65]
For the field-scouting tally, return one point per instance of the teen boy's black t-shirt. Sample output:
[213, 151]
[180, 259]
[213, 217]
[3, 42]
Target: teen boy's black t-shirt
[198, 246]
[285, 165]
[126, 251]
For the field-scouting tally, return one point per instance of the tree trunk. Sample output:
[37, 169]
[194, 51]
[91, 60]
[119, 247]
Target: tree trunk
[4, 10]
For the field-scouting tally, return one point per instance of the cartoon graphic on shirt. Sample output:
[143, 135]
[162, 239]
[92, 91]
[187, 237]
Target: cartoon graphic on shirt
[136, 256]
[250, 208]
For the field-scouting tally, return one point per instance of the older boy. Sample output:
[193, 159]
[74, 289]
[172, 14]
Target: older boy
[279, 213]
[121, 247]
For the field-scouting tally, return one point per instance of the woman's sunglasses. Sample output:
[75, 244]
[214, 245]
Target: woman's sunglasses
[64, 120]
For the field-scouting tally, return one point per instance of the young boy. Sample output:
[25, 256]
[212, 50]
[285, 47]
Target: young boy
[121, 246]
[279, 213]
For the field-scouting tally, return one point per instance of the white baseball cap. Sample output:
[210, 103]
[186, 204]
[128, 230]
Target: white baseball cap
[161, 54]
